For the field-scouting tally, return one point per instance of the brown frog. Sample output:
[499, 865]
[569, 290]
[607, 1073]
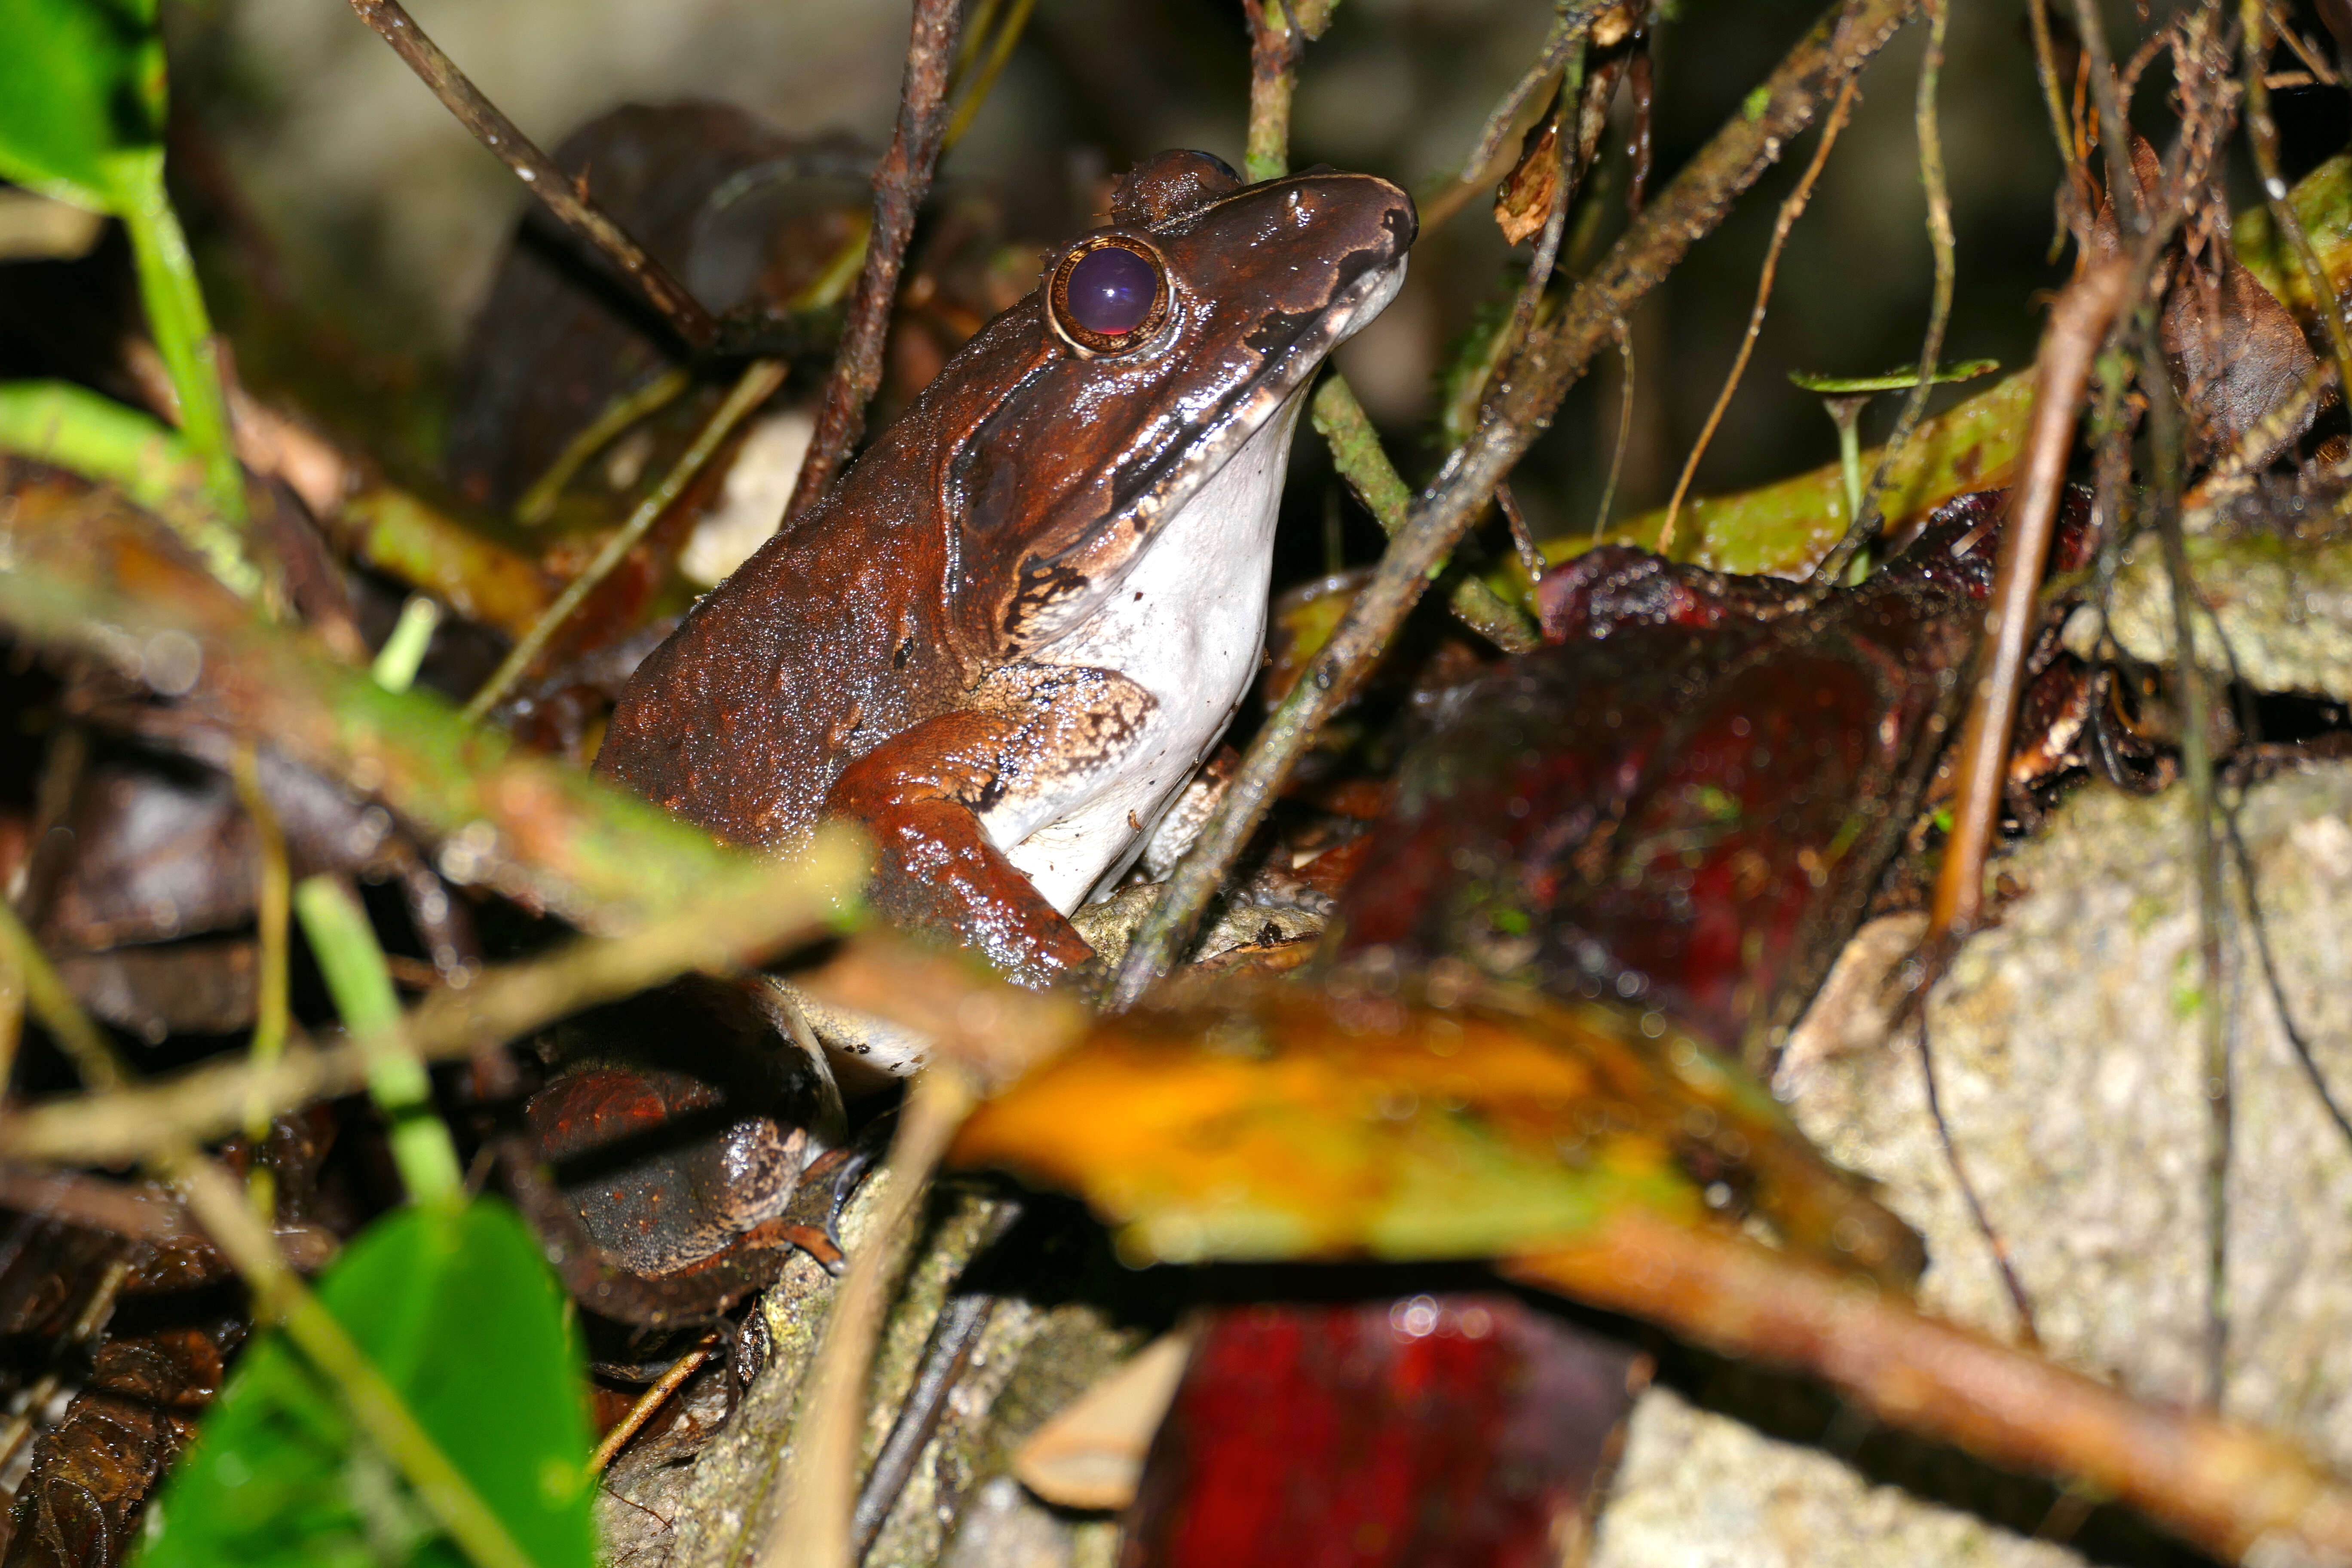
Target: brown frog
[1011, 634]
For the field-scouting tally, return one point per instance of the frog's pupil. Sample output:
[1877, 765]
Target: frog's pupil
[1111, 291]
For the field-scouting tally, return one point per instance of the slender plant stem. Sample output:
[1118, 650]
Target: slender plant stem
[565, 199]
[183, 338]
[1555, 355]
[984, 78]
[1626, 369]
[2114, 124]
[538, 504]
[758, 382]
[1275, 48]
[1864, 525]
[653, 1399]
[2219, 1486]
[821, 1485]
[2045, 70]
[1791, 210]
[1567, 30]
[900, 181]
[273, 903]
[344, 944]
[1357, 452]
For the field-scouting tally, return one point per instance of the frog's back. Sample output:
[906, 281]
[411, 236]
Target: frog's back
[823, 645]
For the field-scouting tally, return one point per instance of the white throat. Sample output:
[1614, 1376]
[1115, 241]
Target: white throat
[1186, 624]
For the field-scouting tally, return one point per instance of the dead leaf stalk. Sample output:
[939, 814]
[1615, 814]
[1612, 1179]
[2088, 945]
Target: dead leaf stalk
[820, 1481]
[274, 908]
[655, 1396]
[1364, 463]
[739, 924]
[2078, 323]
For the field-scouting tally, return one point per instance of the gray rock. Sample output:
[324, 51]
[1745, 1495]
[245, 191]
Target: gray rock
[2284, 605]
[2068, 1050]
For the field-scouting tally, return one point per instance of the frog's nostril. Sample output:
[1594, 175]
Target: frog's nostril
[1111, 291]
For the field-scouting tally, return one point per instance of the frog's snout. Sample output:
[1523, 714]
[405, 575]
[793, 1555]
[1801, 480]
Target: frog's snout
[1378, 209]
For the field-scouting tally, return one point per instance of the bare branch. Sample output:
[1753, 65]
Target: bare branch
[900, 181]
[567, 202]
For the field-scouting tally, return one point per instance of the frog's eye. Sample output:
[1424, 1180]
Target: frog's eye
[1109, 296]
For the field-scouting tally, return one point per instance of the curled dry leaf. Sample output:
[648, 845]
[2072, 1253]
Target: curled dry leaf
[1284, 1123]
[1523, 201]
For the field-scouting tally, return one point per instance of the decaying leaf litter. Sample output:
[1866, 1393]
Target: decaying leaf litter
[202, 678]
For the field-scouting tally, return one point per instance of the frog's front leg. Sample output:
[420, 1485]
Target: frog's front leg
[943, 799]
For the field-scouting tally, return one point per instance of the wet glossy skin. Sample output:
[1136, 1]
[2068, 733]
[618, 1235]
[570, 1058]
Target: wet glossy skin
[1008, 637]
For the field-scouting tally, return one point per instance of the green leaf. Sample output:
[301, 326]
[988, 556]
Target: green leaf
[457, 1310]
[81, 81]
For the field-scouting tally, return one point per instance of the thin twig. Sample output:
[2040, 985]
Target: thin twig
[955, 1338]
[2078, 321]
[2115, 123]
[1625, 335]
[2028, 1331]
[758, 382]
[1563, 190]
[2295, 1038]
[652, 1400]
[1568, 31]
[1339, 418]
[1791, 210]
[1864, 527]
[900, 183]
[1523, 539]
[821, 1486]
[566, 200]
[2220, 1485]
[1831, 50]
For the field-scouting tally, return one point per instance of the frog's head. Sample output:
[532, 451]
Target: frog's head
[1154, 348]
